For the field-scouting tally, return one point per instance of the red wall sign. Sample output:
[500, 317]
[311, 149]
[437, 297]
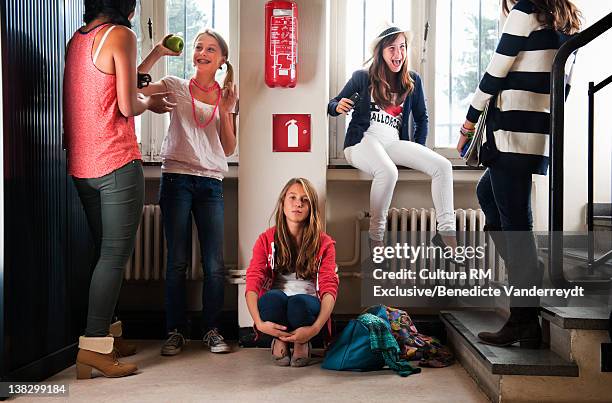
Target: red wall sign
[290, 132]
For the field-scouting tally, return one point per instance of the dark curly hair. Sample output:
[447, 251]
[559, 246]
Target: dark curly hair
[117, 11]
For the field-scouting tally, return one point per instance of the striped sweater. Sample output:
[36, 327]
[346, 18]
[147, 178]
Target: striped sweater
[518, 76]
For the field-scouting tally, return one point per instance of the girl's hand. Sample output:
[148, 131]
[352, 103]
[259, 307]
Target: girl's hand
[344, 106]
[463, 139]
[164, 51]
[301, 335]
[273, 329]
[228, 99]
[159, 103]
[461, 143]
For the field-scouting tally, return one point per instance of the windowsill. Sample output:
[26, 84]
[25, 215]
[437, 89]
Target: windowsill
[461, 174]
[158, 164]
[152, 170]
[345, 172]
[400, 168]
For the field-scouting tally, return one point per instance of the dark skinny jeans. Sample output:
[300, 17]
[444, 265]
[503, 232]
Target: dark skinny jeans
[294, 312]
[505, 198]
[113, 206]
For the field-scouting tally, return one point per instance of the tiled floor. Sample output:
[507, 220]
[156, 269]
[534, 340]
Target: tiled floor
[248, 375]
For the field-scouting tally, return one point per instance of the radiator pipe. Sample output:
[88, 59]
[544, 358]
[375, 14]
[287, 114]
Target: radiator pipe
[356, 245]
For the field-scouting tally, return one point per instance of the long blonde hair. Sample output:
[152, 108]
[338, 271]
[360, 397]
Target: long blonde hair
[229, 76]
[561, 15]
[381, 88]
[302, 258]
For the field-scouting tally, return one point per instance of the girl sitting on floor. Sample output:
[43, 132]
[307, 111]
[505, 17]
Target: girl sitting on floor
[291, 282]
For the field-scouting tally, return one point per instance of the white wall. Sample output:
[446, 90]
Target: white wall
[594, 63]
[263, 173]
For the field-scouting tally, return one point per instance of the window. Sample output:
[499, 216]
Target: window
[461, 40]
[466, 36]
[185, 18]
[355, 32]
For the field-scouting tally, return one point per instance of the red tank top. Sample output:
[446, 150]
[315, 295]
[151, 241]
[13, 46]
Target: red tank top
[98, 138]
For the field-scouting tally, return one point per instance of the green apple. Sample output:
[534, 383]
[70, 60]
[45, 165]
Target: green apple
[174, 43]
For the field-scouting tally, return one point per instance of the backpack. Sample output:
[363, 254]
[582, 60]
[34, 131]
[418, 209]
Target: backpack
[366, 344]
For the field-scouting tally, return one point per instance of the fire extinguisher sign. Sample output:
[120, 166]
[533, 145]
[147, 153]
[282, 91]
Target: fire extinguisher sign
[290, 132]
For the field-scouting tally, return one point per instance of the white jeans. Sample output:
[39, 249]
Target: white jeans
[379, 158]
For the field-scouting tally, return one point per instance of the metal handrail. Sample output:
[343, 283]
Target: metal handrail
[557, 103]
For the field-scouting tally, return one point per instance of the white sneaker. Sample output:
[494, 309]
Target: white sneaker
[215, 342]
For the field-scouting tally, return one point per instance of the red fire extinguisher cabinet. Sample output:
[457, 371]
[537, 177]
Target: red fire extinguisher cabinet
[281, 44]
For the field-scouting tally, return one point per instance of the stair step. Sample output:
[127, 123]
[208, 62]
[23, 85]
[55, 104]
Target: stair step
[582, 254]
[602, 210]
[586, 318]
[463, 327]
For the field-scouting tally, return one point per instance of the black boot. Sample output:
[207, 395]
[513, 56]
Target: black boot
[498, 238]
[522, 327]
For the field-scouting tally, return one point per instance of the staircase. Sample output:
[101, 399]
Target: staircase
[566, 369]
[575, 361]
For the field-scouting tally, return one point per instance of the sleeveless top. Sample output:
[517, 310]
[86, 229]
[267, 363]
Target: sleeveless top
[98, 138]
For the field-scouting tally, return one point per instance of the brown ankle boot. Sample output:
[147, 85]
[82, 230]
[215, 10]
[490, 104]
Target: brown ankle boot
[522, 327]
[123, 348]
[98, 353]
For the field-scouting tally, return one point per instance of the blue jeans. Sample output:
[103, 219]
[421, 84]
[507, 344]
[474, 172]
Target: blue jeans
[180, 197]
[294, 311]
[505, 198]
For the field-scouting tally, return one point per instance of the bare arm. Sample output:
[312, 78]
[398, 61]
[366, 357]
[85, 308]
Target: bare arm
[251, 300]
[149, 61]
[227, 133]
[123, 42]
[327, 306]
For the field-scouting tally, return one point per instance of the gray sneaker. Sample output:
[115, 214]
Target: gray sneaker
[215, 343]
[174, 344]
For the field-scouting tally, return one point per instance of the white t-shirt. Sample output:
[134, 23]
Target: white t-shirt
[385, 124]
[291, 285]
[187, 148]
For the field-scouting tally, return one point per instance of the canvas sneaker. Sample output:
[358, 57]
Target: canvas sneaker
[215, 343]
[174, 344]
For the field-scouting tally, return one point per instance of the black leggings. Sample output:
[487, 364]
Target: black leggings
[113, 205]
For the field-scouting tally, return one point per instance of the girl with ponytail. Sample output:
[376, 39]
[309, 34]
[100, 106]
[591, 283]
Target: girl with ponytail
[201, 135]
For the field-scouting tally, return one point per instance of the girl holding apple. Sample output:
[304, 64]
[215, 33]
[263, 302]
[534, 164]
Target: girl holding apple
[201, 135]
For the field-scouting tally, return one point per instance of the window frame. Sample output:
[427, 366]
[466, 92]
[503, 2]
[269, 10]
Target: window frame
[430, 90]
[421, 11]
[154, 126]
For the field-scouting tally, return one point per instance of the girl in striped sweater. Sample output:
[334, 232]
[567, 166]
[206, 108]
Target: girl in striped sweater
[517, 82]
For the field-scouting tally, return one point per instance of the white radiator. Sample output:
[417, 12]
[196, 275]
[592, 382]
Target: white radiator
[148, 261]
[414, 227]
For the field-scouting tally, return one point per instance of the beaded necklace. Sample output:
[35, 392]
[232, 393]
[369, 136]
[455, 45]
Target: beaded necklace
[205, 89]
